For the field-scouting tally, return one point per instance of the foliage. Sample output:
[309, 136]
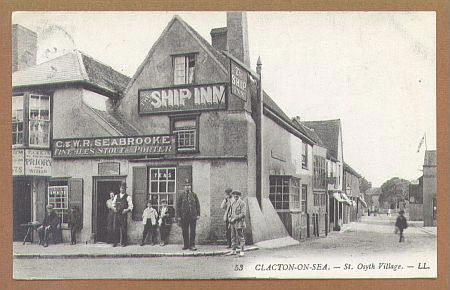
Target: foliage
[364, 185]
[394, 190]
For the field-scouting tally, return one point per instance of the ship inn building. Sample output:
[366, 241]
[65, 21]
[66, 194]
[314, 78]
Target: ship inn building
[193, 109]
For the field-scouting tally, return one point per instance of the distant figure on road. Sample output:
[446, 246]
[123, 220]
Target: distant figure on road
[401, 224]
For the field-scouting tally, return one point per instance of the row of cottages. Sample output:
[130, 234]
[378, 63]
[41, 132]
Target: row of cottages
[192, 110]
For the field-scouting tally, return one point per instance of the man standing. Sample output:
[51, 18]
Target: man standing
[226, 203]
[188, 211]
[236, 218]
[50, 224]
[123, 205]
[401, 224]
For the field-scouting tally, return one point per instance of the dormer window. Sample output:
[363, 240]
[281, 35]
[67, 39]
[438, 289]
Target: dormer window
[184, 69]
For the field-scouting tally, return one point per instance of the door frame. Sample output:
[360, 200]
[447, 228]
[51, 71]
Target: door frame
[95, 180]
[22, 179]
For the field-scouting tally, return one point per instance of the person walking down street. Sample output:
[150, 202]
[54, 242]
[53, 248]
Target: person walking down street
[50, 224]
[236, 218]
[165, 222]
[110, 226]
[188, 211]
[401, 224]
[74, 223]
[149, 219]
[123, 205]
[226, 203]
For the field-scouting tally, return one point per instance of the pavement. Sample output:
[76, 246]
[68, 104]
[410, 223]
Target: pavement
[102, 250]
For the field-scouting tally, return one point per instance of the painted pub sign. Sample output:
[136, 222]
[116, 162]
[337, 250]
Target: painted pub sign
[183, 98]
[103, 147]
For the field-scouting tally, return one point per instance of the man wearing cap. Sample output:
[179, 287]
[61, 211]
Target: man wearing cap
[188, 211]
[236, 218]
[50, 224]
[226, 203]
[123, 204]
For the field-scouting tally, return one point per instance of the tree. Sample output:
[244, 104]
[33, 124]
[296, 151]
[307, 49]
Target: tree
[364, 185]
[394, 190]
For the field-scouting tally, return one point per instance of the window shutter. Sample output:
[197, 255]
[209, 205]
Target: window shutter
[139, 191]
[184, 172]
[76, 195]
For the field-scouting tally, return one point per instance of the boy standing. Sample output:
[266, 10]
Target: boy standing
[165, 223]
[74, 223]
[149, 218]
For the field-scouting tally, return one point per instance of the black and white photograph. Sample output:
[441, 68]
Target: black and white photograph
[224, 145]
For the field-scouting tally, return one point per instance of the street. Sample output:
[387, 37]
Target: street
[365, 249]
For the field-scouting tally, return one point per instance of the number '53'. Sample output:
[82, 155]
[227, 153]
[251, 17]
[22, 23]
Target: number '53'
[238, 267]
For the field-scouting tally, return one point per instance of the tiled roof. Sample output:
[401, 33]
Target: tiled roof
[430, 158]
[115, 119]
[351, 170]
[328, 131]
[71, 67]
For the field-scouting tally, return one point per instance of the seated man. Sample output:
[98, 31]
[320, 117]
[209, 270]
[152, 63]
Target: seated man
[50, 223]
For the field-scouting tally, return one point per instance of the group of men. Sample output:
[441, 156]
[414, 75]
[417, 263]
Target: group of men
[187, 214]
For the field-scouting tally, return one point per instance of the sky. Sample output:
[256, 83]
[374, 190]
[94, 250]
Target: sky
[375, 71]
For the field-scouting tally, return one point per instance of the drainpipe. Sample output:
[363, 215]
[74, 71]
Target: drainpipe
[259, 136]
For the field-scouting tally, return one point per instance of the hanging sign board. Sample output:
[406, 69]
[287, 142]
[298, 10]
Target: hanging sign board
[183, 99]
[38, 162]
[113, 146]
[238, 78]
[18, 162]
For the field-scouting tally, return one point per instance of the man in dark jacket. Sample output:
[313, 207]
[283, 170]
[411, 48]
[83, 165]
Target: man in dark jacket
[123, 204]
[188, 211]
[74, 223]
[50, 224]
[401, 224]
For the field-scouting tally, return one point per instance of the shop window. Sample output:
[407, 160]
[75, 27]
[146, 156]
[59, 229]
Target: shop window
[284, 192]
[320, 199]
[162, 186]
[39, 123]
[186, 133]
[17, 120]
[304, 197]
[58, 196]
[304, 155]
[184, 69]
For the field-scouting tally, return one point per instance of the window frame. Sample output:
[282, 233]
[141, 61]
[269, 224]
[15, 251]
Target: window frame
[23, 122]
[158, 181]
[305, 201]
[188, 117]
[293, 193]
[30, 120]
[47, 199]
[304, 155]
[186, 56]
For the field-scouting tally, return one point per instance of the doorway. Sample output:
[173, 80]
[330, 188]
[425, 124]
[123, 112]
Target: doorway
[103, 186]
[21, 206]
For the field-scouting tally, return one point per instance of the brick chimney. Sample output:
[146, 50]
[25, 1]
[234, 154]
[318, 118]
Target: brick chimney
[237, 36]
[234, 37]
[24, 47]
[219, 38]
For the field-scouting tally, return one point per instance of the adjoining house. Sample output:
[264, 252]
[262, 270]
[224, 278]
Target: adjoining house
[415, 200]
[373, 200]
[351, 183]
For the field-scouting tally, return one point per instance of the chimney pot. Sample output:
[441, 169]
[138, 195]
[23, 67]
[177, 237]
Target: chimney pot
[219, 38]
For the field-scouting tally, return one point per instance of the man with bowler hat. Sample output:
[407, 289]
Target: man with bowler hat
[123, 204]
[188, 211]
[226, 203]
